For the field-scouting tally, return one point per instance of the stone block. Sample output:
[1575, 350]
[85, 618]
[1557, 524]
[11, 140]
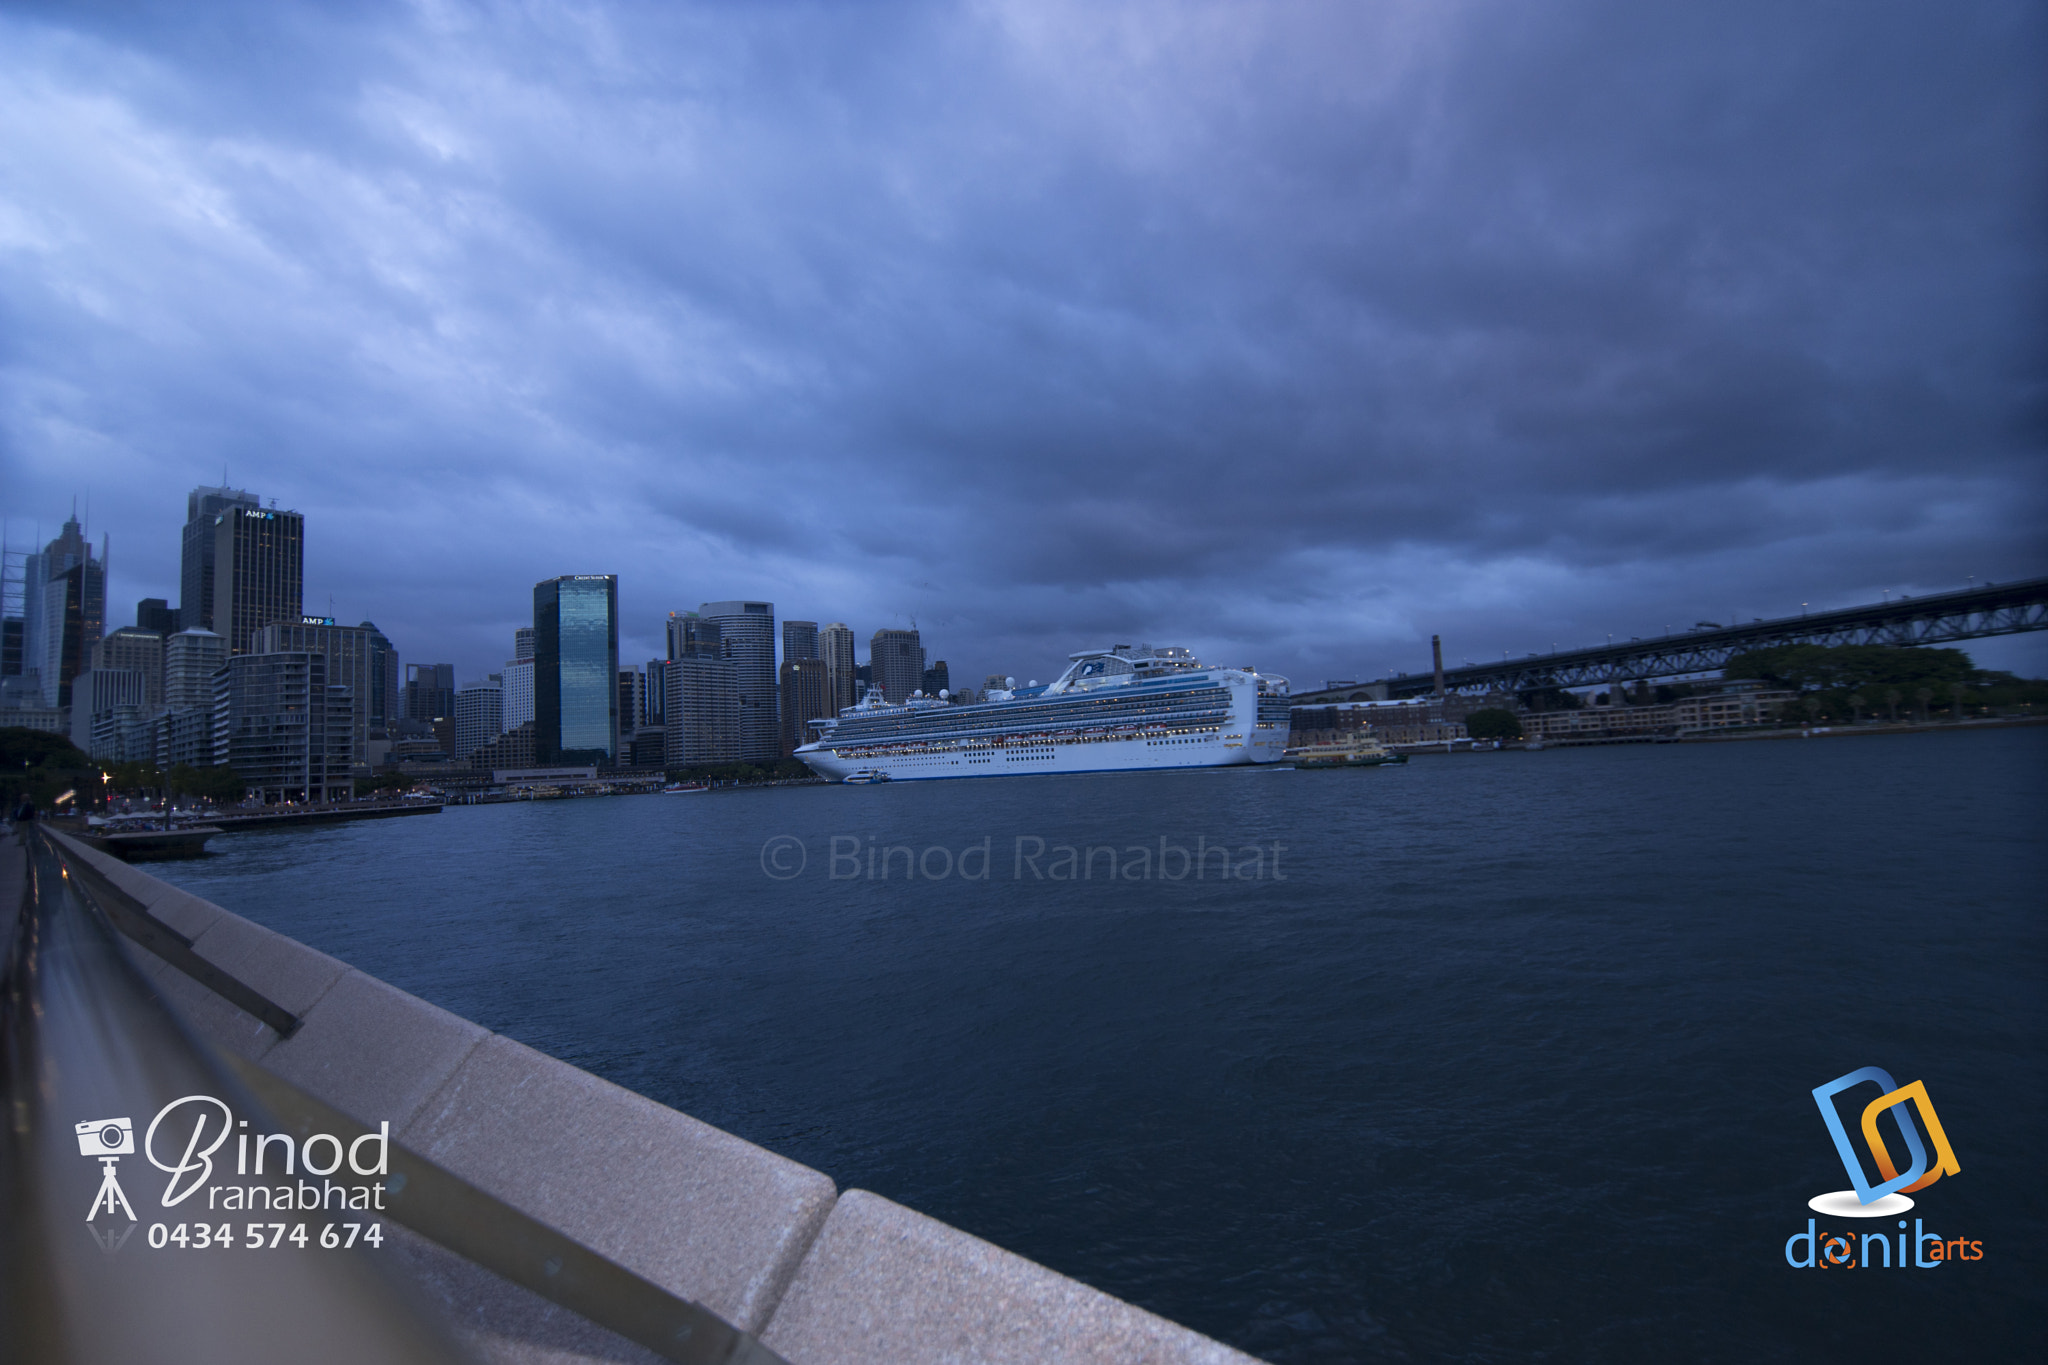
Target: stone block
[884, 1285]
[281, 969]
[183, 911]
[210, 1018]
[708, 1216]
[501, 1323]
[373, 1051]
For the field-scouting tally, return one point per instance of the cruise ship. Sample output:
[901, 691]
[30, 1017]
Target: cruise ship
[1113, 710]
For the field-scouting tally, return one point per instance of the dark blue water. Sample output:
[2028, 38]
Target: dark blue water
[1511, 1059]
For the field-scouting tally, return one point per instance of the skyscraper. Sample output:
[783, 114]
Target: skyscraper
[700, 700]
[632, 701]
[135, 648]
[195, 568]
[191, 658]
[805, 697]
[518, 676]
[657, 691]
[429, 691]
[799, 640]
[835, 646]
[64, 601]
[258, 572]
[937, 679]
[898, 662]
[576, 670]
[479, 716]
[522, 643]
[748, 632]
[184, 732]
[153, 613]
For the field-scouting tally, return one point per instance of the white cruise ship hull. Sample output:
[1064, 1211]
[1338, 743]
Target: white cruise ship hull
[988, 741]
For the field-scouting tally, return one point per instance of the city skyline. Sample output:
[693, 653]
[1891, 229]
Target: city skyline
[1335, 329]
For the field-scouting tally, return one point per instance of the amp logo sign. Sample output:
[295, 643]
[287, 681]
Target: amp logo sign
[1882, 1190]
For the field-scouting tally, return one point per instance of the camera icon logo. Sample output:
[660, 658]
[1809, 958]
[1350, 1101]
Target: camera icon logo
[106, 1137]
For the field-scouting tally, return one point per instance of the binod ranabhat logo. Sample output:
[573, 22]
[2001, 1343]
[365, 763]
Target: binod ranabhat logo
[1886, 1196]
[186, 1133]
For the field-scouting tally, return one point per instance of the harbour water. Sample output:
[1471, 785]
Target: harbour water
[1488, 1057]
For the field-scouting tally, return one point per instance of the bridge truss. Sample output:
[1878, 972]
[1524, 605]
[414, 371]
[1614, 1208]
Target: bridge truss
[1995, 609]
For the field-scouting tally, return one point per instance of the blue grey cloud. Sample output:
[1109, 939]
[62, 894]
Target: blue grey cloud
[1296, 332]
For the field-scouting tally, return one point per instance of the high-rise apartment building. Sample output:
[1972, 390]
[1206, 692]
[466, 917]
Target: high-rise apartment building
[259, 559]
[191, 658]
[479, 716]
[799, 640]
[897, 658]
[132, 647]
[282, 729]
[805, 698]
[748, 632]
[108, 717]
[937, 679]
[835, 646]
[203, 507]
[576, 670]
[359, 658]
[184, 730]
[522, 643]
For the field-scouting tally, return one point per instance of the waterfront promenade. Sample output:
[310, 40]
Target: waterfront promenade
[770, 1246]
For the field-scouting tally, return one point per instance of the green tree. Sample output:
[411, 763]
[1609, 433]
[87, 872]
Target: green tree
[42, 765]
[1809, 668]
[1493, 723]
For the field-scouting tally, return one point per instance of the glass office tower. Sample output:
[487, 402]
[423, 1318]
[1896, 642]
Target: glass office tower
[576, 671]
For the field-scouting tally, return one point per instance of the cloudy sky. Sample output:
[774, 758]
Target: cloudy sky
[1292, 332]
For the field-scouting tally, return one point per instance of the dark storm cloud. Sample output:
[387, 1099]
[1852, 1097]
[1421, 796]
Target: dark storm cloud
[1297, 331]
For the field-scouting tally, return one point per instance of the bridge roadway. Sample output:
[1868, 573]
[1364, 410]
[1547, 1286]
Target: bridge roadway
[1944, 618]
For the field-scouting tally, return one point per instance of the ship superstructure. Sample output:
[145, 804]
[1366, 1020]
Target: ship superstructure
[1115, 709]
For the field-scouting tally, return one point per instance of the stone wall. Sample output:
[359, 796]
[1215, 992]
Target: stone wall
[821, 1275]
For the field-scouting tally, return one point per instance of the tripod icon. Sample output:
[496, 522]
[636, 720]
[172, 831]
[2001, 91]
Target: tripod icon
[109, 1140]
[110, 1192]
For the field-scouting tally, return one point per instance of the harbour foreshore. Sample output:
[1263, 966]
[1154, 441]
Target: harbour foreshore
[820, 1275]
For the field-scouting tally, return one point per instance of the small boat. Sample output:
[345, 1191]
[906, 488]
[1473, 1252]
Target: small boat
[1359, 750]
[682, 788]
[860, 777]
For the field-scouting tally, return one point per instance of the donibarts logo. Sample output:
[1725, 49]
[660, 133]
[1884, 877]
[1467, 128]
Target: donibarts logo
[1886, 1195]
[272, 1175]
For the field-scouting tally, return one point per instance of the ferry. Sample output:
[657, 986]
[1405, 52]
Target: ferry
[1121, 709]
[1359, 750]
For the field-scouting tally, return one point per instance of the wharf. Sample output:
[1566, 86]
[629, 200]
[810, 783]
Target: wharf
[319, 815]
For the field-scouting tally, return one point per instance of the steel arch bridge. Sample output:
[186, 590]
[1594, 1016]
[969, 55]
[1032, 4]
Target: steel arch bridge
[1944, 618]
